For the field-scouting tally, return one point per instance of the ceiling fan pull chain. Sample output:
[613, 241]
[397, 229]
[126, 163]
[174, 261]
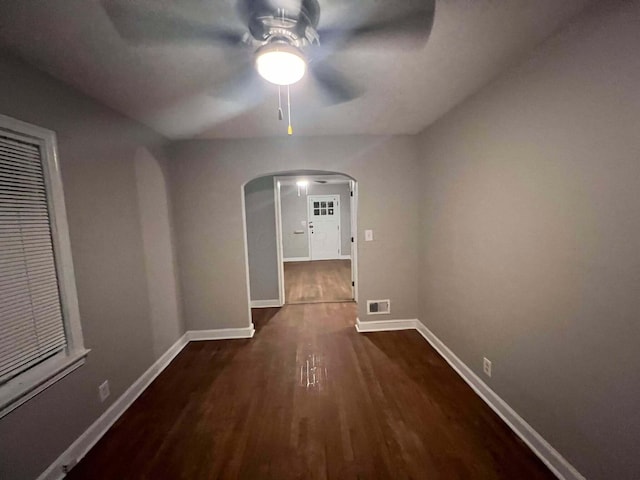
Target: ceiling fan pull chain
[290, 129]
[279, 104]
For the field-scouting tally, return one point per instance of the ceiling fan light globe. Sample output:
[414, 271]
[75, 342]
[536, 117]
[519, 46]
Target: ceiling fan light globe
[280, 64]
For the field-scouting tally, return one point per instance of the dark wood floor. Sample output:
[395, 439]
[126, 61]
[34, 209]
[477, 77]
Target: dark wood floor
[310, 398]
[317, 281]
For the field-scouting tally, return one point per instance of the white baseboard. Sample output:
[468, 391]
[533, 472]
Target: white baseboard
[265, 303]
[385, 325]
[90, 437]
[297, 259]
[220, 334]
[308, 259]
[549, 455]
[78, 449]
[559, 465]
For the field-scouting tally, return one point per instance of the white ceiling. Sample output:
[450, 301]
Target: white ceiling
[172, 88]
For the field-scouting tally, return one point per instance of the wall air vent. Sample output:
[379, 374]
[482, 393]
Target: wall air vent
[378, 307]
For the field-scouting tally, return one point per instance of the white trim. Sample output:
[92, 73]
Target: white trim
[265, 303]
[90, 437]
[559, 465]
[245, 241]
[344, 257]
[385, 325]
[220, 334]
[353, 211]
[329, 179]
[279, 247]
[297, 259]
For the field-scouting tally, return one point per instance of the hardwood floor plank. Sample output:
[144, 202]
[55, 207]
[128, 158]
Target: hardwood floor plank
[310, 398]
[317, 281]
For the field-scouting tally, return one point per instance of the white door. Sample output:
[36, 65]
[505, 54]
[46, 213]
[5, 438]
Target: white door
[324, 226]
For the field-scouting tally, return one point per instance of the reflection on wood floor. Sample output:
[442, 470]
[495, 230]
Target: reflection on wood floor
[310, 398]
[318, 281]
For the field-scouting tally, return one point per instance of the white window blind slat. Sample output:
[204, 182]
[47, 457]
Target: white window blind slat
[25, 362]
[27, 157]
[19, 195]
[15, 158]
[19, 328]
[27, 308]
[30, 313]
[7, 171]
[12, 292]
[14, 175]
[32, 252]
[19, 357]
[35, 275]
[10, 230]
[22, 338]
[28, 345]
[23, 148]
[25, 339]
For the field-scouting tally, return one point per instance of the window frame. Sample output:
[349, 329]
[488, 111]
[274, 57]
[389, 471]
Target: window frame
[34, 380]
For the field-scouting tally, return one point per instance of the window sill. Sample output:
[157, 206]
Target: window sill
[29, 384]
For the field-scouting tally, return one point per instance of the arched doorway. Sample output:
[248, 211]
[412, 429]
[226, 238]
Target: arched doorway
[298, 228]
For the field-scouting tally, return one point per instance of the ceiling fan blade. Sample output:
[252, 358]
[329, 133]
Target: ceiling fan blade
[146, 22]
[334, 85]
[410, 22]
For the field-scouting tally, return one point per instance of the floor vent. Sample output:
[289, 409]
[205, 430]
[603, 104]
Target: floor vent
[378, 307]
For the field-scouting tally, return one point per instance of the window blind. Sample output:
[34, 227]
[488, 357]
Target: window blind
[31, 321]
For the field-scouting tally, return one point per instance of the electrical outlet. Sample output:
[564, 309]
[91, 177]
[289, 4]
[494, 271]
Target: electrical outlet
[368, 235]
[66, 468]
[103, 390]
[486, 366]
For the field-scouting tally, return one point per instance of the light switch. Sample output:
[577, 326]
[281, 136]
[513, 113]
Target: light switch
[368, 235]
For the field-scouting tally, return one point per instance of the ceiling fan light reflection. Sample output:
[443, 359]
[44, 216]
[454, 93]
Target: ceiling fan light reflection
[280, 64]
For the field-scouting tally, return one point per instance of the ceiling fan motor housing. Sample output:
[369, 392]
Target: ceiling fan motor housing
[291, 22]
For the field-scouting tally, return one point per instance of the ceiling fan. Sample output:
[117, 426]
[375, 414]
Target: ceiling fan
[283, 38]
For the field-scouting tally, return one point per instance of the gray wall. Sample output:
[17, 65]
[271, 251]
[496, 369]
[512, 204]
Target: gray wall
[207, 178]
[530, 247]
[294, 211]
[261, 238]
[97, 150]
[158, 249]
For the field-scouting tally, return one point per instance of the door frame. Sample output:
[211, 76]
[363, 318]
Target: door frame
[353, 208]
[279, 247]
[338, 215]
